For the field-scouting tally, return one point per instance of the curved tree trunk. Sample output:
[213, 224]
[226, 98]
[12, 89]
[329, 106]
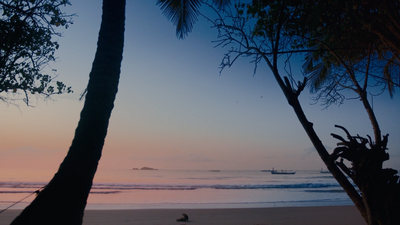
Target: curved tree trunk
[64, 199]
[292, 97]
[337, 174]
[378, 194]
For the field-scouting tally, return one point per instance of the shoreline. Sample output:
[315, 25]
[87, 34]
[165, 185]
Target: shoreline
[327, 215]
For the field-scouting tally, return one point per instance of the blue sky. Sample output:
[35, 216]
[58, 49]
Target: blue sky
[174, 110]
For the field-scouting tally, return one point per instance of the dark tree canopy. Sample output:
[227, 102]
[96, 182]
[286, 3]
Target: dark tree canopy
[27, 45]
[347, 38]
[342, 52]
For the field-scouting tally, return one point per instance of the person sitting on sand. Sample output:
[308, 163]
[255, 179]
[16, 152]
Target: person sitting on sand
[184, 218]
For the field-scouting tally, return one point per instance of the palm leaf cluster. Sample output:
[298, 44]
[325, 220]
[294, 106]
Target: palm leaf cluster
[183, 13]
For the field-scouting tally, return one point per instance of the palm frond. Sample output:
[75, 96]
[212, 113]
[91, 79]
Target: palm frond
[182, 13]
[308, 64]
[387, 76]
[316, 74]
[221, 3]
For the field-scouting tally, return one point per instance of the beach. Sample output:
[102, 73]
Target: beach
[322, 215]
[236, 197]
[194, 189]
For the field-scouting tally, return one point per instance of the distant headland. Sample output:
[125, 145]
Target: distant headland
[145, 168]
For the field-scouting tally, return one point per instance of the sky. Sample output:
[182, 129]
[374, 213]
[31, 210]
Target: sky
[174, 110]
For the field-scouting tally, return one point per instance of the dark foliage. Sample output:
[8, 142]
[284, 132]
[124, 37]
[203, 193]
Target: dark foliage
[27, 45]
[342, 53]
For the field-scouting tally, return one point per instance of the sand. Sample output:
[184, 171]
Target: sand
[326, 215]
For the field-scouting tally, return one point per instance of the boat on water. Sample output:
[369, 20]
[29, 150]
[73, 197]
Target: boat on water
[213, 170]
[273, 171]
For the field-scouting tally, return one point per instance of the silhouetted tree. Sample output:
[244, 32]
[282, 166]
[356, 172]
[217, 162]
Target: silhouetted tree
[266, 30]
[63, 200]
[27, 30]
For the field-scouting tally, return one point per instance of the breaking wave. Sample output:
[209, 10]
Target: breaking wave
[112, 188]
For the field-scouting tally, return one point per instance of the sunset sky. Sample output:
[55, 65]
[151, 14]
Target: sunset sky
[174, 110]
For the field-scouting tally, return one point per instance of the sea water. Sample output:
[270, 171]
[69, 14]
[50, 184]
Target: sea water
[144, 189]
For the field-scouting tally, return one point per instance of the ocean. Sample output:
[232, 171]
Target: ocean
[150, 189]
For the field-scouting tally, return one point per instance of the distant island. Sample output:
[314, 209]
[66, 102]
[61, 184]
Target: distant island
[145, 168]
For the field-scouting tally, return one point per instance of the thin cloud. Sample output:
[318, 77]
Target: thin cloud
[177, 158]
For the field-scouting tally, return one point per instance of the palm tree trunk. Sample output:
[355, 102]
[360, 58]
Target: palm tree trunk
[64, 199]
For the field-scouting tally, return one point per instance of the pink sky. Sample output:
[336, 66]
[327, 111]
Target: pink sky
[173, 109]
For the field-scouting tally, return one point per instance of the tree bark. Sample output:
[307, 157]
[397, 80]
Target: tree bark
[63, 200]
[292, 98]
[293, 101]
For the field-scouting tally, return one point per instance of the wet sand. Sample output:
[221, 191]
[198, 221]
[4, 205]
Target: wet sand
[324, 215]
